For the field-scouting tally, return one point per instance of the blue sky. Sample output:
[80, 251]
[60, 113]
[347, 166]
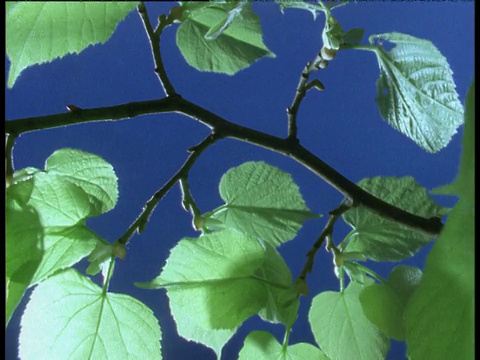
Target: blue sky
[340, 125]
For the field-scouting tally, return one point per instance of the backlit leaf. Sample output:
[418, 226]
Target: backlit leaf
[416, 92]
[261, 201]
[261, 345]
[381, 239]
[342, 330]
[38, 32]
[235, 38]
[70, 317]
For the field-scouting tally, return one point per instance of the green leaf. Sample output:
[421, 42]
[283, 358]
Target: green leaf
[384, 305]
[88, 171]
[69, 317]
[38, 32]
[64, 197]
[23, 244]
[381, 239]
[261, 345]
[416, 92]
[282, 302]
[213, 286]
[237, 38]
[263, 202]
[439, 318]
[342, 330]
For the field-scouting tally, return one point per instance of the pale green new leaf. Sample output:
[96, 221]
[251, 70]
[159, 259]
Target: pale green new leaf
[70, 317]
[416, 92]
[439, 318]
[263, 202]
[261, 345]
[23, 244]
[236, 38]
[384, 305]
[63, 199]
[213, 286]
[38, 32]
[342, 330]
[381, 239]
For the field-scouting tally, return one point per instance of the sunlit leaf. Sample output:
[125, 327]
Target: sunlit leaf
[23, 244]
[69, 317]
[236, 41]
[261, 345]
[262, 201]
[38, 32]
[439, 318]
[342, 330]
[381, 239]
[63, 199]
[384, 305]
[416, 92]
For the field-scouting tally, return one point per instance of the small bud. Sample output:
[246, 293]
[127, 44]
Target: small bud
[328, 54]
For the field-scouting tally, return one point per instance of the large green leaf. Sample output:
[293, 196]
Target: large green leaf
[63, 199]
[38, 32]
[381, 239]
[342, 330]
[384, 305]
[261, 201]
[23, 245]
[217, 281]
[439, 318]
[223, 38]
[69, 317]
[416, 92]
[261, 345]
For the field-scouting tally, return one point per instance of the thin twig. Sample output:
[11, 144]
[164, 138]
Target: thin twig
[141, 221]
[154, 37]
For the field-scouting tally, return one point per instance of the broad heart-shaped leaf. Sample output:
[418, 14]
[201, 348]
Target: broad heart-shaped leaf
[70, 317]
[63, 203]
[416, 92]
[384, 305]
[261, 201]
[38, 32]
[23, 245]
[217, 281]
[237, 43]
[439, 318]
[381, 239]
[342, 330]
[261, 345]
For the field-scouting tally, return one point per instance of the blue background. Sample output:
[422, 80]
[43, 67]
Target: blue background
[340, 125]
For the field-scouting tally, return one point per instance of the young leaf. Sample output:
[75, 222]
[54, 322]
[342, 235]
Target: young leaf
[263, 202]
[342, 330]
[69, 317]
[64, 198]
[381, 239]
[237, 42]
[384, 305]
[261, 345]
[439, 318]
[38, 32]
[416, 92]
[213, 286]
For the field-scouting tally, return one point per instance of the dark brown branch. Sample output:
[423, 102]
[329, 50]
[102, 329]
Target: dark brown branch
[224, 128]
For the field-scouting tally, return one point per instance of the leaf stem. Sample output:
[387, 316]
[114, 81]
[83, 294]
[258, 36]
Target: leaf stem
[9, 169]
[371, 273]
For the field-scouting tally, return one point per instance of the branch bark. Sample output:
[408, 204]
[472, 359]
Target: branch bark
[224, 128]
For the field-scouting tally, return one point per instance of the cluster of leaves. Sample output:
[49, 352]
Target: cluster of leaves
[233, 270]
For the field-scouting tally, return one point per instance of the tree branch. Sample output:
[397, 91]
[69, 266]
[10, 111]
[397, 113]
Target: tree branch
[224, 128]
